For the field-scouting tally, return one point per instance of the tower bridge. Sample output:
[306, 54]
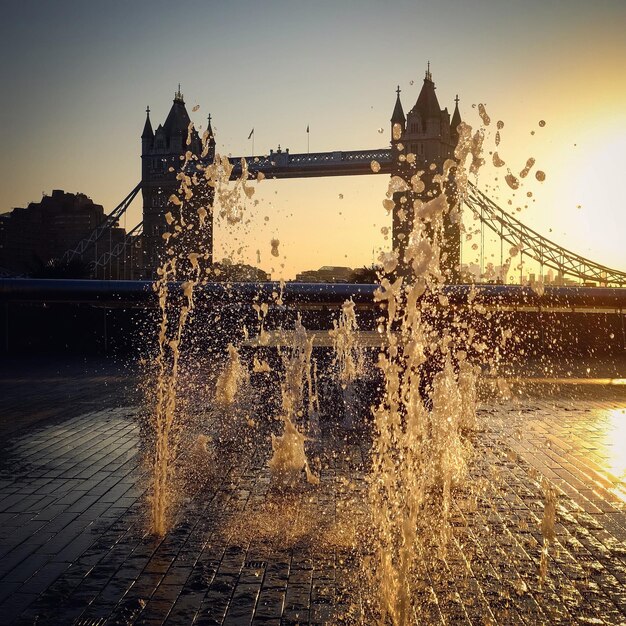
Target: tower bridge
[426, 131]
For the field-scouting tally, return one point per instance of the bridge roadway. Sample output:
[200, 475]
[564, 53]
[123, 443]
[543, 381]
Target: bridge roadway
[283, 164]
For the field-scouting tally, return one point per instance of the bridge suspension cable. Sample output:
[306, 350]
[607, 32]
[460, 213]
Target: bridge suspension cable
[118, 250]
[109, 222]
[529, 242]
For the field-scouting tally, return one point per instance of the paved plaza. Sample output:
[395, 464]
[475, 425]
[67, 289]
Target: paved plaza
[75, 548]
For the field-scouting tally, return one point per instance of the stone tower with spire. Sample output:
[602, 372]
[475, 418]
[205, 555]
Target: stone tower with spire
[428, 133]
[162, 154]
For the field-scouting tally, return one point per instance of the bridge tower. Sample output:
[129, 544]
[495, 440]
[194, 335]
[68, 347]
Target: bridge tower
[162, 154]
[428, 133]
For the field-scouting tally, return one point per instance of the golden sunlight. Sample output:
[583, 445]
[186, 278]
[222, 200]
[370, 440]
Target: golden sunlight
[591, 202]
[615, 442]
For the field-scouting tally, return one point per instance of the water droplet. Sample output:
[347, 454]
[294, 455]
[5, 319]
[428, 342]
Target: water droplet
[483, 114]
[511, 181]
[497, 161]
[529, 163]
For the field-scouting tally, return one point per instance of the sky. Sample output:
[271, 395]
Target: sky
[78, 76]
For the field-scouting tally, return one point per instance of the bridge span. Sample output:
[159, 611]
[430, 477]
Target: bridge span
[283, 164]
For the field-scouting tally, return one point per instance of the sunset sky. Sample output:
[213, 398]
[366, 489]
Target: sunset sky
[77, 77]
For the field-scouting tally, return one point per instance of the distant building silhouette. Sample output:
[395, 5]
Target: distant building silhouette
[428, 133]
[33, 236]
[162, 154]
[227, 271]
[327, 274]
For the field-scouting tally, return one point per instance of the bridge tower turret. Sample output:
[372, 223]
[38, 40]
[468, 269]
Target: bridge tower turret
[456, 120]
[147, 136]
[429, 135]
[210, 141]
[162, 155]
[398, 120]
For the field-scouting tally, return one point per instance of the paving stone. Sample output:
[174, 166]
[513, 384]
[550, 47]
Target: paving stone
[74, 547]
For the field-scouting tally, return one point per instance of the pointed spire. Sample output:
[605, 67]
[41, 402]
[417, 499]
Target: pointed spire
[209, 129]
[147, 129]
[398, 116]
[427, 104]
[456, 119]
[177, 121]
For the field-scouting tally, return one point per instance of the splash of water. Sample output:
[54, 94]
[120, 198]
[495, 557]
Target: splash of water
[419, 453]
[348, 357]
[165, 411]
[348, 360]
[231, 378]
[289, 457]
[186, 221]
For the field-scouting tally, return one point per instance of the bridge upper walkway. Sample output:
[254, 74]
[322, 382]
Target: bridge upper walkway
[314, 164]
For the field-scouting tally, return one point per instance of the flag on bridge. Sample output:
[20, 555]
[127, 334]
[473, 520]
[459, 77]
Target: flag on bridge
[251, 133]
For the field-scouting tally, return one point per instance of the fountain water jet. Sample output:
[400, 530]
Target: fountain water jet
[421, 448]
[289, 457]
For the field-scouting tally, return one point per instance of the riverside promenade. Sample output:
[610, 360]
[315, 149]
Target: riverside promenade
[74, 545]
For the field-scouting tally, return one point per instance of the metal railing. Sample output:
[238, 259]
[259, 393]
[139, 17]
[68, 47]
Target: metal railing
[128, 292]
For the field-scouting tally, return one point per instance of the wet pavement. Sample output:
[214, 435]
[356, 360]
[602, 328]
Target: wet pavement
[74, 546]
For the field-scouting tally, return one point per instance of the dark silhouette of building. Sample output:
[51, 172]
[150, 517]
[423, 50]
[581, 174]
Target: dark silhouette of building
[327, 274]
[37, 236]
[227, 271]
[428, 133]
[162, 154]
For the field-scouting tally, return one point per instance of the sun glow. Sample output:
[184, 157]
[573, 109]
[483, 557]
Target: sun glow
[615, 444]
[589, 198]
